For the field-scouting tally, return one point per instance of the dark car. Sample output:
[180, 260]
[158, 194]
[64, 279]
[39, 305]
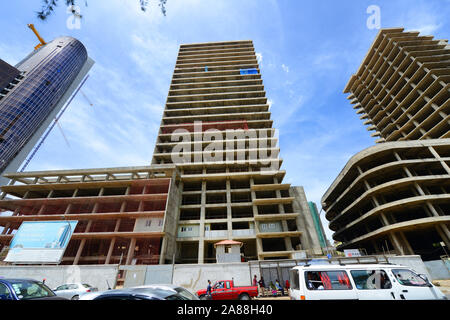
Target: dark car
[25, 289]
[152, 292]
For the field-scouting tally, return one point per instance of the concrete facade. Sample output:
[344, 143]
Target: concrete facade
[395, 197]
[124, 214]
[401, 89]
[227, 194]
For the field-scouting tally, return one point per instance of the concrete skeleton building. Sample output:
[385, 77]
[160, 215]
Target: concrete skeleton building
[33, 93]
[218, 87]
[229, 187]
[123, 214]
[395, 196]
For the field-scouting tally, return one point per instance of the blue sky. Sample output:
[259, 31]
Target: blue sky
[308, 50]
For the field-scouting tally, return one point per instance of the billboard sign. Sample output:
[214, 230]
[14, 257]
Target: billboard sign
[40, 241]
[352, 253]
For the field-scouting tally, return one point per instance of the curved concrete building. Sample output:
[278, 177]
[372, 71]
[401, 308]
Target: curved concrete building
[393, 197]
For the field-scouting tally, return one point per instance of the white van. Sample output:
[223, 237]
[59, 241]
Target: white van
[360, 282]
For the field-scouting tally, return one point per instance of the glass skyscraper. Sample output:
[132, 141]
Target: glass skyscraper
[46, 79]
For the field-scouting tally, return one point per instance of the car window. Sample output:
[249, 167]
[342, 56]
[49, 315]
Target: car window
[294, 279]
[176, 297]
[72, 286]
[63, 287]
[408, 278]
[371, 279]
[4, 291]
[327, 280]
[86, 285]
[31, 290]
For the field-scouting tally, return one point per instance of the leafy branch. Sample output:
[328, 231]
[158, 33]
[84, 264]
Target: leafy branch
[49, 6]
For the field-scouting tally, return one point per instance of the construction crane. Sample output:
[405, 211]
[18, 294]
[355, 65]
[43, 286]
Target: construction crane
[89, 101]
[42, 41]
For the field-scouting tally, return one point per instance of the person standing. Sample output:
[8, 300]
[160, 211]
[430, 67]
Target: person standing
[255, 282]
[208, 289]
[262, 285]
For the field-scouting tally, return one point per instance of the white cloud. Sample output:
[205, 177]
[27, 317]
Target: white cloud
[428, 29]
[285, 68]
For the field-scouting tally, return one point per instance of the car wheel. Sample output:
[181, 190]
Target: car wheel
[244, 296]
[75, 297]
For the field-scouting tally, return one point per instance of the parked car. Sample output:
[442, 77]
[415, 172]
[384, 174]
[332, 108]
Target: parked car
[171, 287]
[74, 291]
[360, 282]
[225, 290]
[150, 292]
[26, 289]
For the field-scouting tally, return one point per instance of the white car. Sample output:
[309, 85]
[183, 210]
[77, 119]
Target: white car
[74, 291]
[360, 282]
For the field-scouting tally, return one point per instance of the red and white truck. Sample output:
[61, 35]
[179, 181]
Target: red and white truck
[225, 290]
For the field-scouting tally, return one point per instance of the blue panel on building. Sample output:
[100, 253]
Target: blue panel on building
[249, 71]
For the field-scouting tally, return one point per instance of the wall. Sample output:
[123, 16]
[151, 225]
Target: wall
[415, 262]
[438, 270]
[95, 275]
[190, 276]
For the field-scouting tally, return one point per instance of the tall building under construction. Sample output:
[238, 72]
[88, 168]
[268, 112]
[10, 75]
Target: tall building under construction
[395, 197]
[215, 175]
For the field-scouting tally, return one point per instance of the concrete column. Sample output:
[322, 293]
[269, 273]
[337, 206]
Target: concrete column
[110, 250]
[80, 250]
[396, 243]
[83, 242]
[5, 229]
[432, 209]
[405, 241]
[229, 212]
[259, 247]
[444, 165]
[131, 248]
[442, 229]
[201, 241]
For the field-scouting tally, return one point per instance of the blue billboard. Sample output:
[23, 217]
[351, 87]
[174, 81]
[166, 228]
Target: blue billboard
[40, 241]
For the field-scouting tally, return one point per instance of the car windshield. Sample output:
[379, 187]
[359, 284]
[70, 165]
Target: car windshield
[26, 289]
[185, 293]
[408, 278]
